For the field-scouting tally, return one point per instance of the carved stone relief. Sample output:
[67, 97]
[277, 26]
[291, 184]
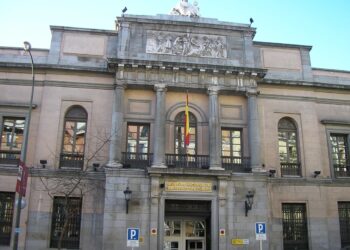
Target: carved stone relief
[186, 44]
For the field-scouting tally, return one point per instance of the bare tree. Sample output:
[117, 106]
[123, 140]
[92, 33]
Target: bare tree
[68, 184]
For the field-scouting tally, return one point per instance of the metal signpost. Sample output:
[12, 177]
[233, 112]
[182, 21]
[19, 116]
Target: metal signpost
[133, 237]
[260, 232]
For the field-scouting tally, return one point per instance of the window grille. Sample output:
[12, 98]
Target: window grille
[295, 233]
[344, 222]
[66, 218]
[6, 216]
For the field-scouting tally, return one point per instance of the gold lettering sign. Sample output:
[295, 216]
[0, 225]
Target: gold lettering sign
[183, 186]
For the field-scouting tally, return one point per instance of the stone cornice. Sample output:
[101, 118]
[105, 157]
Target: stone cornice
[16, 105]
[200, 22]
[335, 122]
[54, 67]
[57, 84]
[115, 64]
[303, 84]
[282, 45]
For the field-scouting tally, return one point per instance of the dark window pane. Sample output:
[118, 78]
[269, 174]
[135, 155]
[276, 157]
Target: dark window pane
[295, 234]
[66, 212]
[6, 216]
[288, 147]
[180, 147]
[344, 222]
[340, 155]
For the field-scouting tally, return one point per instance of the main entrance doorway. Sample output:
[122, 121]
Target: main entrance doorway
[187, 225]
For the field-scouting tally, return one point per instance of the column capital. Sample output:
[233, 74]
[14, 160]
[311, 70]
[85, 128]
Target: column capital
[213, 90]
[252, 92]
[120, 85]
[159, 87]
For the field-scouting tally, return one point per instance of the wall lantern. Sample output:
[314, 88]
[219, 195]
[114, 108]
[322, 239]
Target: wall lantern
[127, 193]
[43, 163]
[272, 172]
[317, 173]
[249, 202]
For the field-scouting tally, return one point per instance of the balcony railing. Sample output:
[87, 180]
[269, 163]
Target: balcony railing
[144, 160]
[236, 164]
[292, 169]
[71, 160]
[9, 157]
[187, 161]
[137, 160]
[342, 170]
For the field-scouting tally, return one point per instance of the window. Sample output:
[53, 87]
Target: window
[6, 216]
[72, 155]
[11, 139]
[231, 147]
[66, 212]
[340, 155]
[180, 147]
[138, 140]
[295, 234]
[287, 147]
[344, 222]
[137, 155]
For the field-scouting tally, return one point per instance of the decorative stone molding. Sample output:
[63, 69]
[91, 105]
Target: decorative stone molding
[186, 44]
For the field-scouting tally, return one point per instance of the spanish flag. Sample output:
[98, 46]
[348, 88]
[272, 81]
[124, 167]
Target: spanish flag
[187, 123]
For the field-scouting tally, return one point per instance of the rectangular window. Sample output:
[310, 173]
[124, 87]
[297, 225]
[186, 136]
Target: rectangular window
[66, 218]
[11, 140]
[6, 215]
[344, 222]
[231, 150]
[295, 234]
[340, 155]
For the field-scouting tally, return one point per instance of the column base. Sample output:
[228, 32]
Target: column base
[216, 168]
[114, 164]
[258, 169]
[159, 166]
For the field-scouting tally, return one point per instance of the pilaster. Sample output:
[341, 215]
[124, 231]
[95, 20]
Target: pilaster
[115, 153]
[253, 130]
[159, 127]
[214, 129]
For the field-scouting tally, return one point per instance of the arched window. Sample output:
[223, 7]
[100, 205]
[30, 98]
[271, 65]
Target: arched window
[288, 147]
[74, 132]
[180, 147]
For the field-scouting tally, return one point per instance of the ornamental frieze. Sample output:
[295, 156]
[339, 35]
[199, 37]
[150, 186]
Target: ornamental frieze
[186, 44]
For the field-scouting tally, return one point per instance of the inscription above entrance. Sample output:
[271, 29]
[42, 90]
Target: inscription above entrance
[184, 186]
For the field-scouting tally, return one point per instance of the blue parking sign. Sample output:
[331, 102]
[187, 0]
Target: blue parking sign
[260, 230]
[133, 237]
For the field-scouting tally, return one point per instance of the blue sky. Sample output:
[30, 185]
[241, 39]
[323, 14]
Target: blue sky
[324, 24]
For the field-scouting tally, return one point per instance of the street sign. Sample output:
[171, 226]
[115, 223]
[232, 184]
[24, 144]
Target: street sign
[133, 237]
[260, 230]
[22, 178]
[240, 241]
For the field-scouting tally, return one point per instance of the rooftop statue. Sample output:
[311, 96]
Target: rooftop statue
[183, 8]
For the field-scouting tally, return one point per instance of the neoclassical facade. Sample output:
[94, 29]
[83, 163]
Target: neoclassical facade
[269, 140]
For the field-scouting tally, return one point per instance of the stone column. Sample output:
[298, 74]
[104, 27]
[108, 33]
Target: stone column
[115, 148]
[253, 130]
[214, 129]
[159, 128]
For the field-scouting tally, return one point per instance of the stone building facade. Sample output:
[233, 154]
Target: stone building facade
[269, 139]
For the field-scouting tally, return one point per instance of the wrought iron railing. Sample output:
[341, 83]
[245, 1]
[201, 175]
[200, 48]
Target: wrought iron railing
[9, 157]
[137, 160]
[236, 164]
[292, 169]
[342, 170]
[187, 161]
[72, 160]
